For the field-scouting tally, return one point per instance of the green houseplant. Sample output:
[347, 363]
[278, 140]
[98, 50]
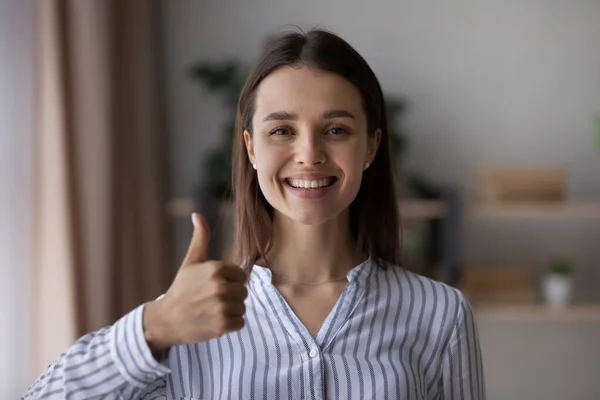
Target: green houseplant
[560, 268]
[224, 79]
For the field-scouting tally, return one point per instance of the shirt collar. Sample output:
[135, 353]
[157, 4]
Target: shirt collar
[359, 273]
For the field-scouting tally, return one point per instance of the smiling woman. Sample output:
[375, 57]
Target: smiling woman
[316, 304]
[313, 109]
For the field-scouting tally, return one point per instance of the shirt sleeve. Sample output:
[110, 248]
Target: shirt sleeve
[462, 367]
[112, 363]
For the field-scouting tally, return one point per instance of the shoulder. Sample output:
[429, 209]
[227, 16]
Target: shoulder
[428, 298]
[411, 282]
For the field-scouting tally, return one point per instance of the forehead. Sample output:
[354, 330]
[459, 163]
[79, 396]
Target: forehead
[307, 92]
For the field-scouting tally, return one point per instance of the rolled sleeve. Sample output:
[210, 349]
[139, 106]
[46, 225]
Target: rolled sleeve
[131, 353]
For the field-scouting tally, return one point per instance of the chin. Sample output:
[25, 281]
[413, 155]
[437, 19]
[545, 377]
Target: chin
[313, 217]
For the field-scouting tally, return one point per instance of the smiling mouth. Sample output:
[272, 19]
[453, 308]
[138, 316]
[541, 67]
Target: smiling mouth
[311, 184]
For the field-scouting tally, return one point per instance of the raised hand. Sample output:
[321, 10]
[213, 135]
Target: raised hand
[205, 300]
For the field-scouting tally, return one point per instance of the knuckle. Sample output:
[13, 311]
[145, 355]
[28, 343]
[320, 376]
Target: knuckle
[232, 324]
[241, 276]
[220, 288]
[219, 308]
[238, 323]
[217, 326]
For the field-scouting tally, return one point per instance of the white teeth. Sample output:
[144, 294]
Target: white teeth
[310, 184]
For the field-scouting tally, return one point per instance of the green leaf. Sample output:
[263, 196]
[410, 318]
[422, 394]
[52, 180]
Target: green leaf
[560, 267]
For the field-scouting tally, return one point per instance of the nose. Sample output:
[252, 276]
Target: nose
[310, 149]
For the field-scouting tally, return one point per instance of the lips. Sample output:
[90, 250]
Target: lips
[312, 183]
[311, 193]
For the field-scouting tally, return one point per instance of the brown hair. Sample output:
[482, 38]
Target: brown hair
[374, 219]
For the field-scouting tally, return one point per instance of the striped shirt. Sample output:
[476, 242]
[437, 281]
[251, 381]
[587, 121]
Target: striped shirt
[391, 335]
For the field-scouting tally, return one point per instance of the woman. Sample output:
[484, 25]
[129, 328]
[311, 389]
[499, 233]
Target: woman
[319, 308]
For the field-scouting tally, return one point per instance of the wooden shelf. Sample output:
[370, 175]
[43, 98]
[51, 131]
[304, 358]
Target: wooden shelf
[422, 209]
[537, 313]
[182, 207]
[542, 210]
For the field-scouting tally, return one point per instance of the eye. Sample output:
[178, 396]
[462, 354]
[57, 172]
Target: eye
[279, 132]
[337, 131]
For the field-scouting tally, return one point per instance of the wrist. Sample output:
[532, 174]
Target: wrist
[154, 331]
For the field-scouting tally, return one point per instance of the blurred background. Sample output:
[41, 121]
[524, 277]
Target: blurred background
[115, 122]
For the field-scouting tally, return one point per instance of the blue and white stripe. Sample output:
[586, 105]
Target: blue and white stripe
[391, 335]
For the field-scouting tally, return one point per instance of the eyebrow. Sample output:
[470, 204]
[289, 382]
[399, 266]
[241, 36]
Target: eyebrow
[280, 116]
[286, 116]
[337, 114]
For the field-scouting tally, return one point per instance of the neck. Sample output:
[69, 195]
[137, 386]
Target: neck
[306, 253]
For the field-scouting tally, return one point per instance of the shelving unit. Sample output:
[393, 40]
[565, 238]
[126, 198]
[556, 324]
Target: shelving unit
[538, 211]
[542, 210]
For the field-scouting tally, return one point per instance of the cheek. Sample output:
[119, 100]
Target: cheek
[269, 162]
[352, 161]
[267, 176]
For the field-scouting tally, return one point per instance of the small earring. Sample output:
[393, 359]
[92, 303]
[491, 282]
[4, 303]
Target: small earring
[367, 166]
[254, 166]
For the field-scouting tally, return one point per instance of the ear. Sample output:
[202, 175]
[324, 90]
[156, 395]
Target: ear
[372, 146]
[249, 146]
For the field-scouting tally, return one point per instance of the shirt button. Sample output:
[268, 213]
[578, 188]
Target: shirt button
[313, 353]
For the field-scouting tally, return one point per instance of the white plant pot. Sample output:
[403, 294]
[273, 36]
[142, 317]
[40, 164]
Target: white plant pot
[558, 290]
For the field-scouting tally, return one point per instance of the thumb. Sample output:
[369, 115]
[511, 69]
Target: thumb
[198, 249]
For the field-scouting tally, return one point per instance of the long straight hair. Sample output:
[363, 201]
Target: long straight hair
[374, 217]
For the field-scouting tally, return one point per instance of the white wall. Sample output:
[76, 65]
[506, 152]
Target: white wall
[16, 129]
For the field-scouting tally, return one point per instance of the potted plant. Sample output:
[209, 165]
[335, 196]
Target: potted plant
[557, 285]
[224, 79]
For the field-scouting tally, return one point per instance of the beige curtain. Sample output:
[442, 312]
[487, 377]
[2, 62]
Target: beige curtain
[100, 228]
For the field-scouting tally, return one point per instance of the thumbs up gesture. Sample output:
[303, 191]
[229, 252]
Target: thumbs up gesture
[205, 300]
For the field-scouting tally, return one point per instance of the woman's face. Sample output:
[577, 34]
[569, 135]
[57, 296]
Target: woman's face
[309, 143]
